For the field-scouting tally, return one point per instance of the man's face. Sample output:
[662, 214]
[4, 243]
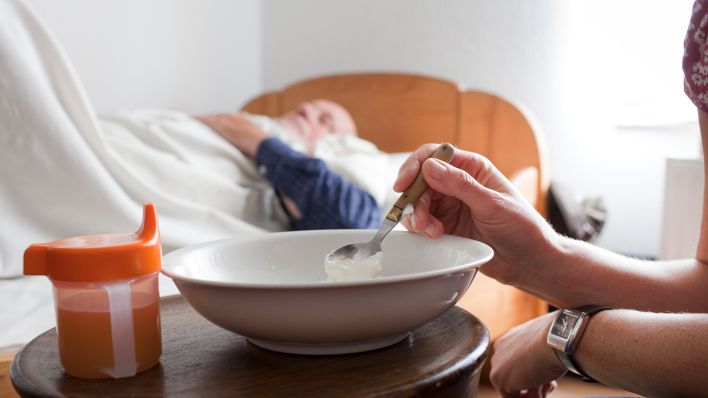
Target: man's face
[314, 119]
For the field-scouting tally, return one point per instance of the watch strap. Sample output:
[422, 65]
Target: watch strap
[572, 366]
[592, 309]
[567, 362]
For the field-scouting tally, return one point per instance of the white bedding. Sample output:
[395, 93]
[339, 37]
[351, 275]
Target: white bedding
[64, 171]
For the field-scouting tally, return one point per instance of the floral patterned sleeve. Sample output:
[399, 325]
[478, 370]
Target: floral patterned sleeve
[695, 58]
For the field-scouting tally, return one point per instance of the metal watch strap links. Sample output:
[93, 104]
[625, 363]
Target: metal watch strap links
[564, 345]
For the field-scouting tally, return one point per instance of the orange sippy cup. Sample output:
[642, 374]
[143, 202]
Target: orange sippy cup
[106, 297]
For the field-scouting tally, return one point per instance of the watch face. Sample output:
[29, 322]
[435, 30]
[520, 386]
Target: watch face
[565, 324]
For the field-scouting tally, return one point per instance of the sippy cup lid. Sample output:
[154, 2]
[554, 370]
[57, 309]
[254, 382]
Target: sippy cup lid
[104, 257]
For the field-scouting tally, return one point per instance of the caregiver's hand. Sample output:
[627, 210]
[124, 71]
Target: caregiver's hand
[236, 129]
[523, 365]
[469, 197]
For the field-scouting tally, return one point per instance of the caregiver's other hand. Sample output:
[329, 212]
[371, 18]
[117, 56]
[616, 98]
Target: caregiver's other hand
[236, 129]
[471, 198]
[523, 365]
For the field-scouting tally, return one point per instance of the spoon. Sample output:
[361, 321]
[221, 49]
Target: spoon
[357, 252]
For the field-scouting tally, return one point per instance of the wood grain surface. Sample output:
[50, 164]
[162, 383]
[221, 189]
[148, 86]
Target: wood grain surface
[440, 359]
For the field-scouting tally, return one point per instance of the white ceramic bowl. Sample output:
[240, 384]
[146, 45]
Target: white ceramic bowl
[273, 289]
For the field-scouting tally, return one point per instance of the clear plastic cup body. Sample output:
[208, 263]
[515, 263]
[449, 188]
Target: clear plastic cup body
[108, 329]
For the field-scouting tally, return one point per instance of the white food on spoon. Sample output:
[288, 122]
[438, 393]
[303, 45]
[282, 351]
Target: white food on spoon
[344, 270]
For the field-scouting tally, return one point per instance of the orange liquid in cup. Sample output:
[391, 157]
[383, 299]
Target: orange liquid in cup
[85, 343]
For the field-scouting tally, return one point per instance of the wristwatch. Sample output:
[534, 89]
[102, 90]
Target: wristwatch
[565, 333]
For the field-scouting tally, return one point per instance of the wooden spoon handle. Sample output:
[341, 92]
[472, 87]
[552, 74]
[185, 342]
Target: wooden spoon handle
[444, 152]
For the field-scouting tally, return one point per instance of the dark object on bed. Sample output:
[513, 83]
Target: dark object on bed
[578, 218]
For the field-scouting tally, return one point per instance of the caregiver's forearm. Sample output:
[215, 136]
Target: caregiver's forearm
[647, 353]
[578, 273]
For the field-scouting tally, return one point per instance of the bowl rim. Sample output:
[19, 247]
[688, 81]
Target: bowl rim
[320, 284]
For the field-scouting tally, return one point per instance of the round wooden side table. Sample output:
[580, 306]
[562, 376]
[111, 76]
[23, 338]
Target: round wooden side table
[440, 359]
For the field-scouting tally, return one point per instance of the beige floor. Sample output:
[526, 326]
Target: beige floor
[568, 387]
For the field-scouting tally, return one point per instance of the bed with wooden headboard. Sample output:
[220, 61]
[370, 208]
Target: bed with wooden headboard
[399, 112]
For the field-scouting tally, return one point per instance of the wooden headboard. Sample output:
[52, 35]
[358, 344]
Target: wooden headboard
[399, 112]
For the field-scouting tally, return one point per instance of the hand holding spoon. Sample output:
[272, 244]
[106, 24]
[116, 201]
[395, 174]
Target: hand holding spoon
[357, 252]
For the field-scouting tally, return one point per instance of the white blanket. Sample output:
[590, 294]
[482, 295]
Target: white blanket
[60, 176]
[66, 172]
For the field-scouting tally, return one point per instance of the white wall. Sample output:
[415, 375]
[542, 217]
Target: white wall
[194, 55]
[574, 65]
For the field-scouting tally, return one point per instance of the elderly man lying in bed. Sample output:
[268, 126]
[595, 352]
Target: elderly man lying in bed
[306, 169]
[68, 171]
[314, 196]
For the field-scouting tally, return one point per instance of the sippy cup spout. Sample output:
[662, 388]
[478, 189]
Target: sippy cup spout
[148, 231]
[35, 259]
